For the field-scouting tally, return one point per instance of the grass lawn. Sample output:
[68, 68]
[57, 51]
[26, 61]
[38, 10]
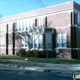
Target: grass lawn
[49, 60]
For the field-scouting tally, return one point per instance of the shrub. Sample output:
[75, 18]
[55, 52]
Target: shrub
[38, 54]
[30, 54]
[17, 53]
[35, 53]
[22, 53]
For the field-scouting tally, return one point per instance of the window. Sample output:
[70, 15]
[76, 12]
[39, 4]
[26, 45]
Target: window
[31, 22]
[24, 41]
[31, 42]
[48, 41]
[78, 20]
[35, 41]
[17, 28]
[20, 25]
[40, 42]
[64, 40]
[27, 23]
[24, 25]
[10, 41]
[40, 21]
[2, 28]
[1, 42]
[61, 41]
[10, 27]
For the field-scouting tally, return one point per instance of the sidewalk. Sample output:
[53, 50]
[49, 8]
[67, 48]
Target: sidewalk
[44, 67]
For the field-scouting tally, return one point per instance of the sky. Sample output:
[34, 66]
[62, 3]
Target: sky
[11, 7]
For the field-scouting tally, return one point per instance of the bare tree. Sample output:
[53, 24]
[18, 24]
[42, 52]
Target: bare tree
[19, 35]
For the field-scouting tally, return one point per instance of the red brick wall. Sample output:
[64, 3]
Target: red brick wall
[2, 51]
[58, 20]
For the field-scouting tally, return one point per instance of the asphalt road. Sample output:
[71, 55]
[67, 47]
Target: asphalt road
[8, 73]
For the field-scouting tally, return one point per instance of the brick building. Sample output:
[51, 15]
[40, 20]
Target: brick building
[55, 29]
